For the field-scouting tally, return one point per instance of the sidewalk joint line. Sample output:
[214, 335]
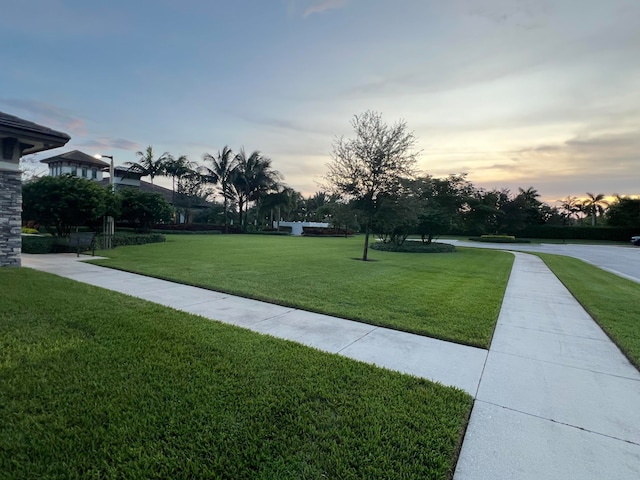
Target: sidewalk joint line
[560, 423]
[604, 340]
[571, 366]
[358, 339]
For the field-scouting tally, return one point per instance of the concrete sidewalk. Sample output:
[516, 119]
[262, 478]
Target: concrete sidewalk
[555, 398]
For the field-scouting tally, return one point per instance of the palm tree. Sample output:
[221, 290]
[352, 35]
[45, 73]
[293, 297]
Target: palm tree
[221, 172]
[252, 177]
[177, 168]
[147, 166]
[571, 207]
[282, 201]
[594, 205]
[530, 196]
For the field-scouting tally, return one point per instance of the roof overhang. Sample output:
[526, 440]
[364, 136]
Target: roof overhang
[25, 137]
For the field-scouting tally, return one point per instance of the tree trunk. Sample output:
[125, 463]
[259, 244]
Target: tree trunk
[366, 244]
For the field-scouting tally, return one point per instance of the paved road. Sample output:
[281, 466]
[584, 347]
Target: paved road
[621, 260]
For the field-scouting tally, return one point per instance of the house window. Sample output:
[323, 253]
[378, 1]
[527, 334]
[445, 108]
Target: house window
[84, 172]
[94, 173]
[74, 170]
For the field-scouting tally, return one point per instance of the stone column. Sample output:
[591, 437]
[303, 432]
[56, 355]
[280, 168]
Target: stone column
[10, 218]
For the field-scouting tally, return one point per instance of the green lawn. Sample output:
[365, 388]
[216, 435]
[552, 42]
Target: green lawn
[95, 384]
[612, 301]
[452, 296]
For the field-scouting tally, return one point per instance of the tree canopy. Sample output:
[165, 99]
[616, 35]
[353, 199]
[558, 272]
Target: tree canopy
[64, 202]
[372, 164]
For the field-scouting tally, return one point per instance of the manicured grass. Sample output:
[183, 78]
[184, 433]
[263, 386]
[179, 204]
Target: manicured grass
[612, 301]
[452, 296]
[95, 384]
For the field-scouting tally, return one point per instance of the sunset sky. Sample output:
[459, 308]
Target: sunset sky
[517, 93]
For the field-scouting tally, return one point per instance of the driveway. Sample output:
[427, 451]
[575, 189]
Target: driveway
[621, 260]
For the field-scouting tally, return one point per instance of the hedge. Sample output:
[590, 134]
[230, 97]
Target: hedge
[498, 239]
[414, 247]
[124, 239]
[37, 244]
[187, 232]
[47, 244]
[195, 227]
[325, 232]
[618, 234]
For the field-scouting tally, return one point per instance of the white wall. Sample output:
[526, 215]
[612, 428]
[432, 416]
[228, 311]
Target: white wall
[296, 227]
[57, 170]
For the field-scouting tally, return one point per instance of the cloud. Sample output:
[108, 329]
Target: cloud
[277, 123]
[519, 13]
[597, 161]
[106, 143]
[323, 6]
[50, 115]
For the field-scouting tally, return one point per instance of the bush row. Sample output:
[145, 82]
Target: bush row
[325, 232]
[618, 234]
[37, 244]
[187, 232]
[414, 247]
[47, 244]
[123, 239]
[498, 239]
[195, 227]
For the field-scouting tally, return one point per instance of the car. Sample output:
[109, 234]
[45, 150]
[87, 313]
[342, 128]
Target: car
[636, 240]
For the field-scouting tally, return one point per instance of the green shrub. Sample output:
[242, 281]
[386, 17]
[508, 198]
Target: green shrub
[617, 234]
[326, 232]
[270, 232]
[187, 232]
[195, 228]
[121, 239]
[498, 236]
[414, 247]
[498, 239]
[37, 244]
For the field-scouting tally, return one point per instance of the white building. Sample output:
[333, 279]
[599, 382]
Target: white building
[76, 163]
[297, 227]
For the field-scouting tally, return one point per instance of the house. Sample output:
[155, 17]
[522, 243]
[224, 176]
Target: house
[82, 165]
[76, 163]
[18, 137]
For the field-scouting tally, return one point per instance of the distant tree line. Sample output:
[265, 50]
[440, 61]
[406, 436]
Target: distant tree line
[373, 175]
[371, 185]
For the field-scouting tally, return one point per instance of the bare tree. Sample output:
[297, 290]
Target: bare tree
[372, 164]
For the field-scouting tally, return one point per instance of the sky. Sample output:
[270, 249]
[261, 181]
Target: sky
[515, 93]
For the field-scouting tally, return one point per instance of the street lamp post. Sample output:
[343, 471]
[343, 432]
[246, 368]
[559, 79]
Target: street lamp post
[111, 169]
[108, 227]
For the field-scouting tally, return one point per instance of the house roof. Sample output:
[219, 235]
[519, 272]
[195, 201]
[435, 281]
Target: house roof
[76, 156]
[33, 137]
[124, 172]
[148, 187]
[166, 193]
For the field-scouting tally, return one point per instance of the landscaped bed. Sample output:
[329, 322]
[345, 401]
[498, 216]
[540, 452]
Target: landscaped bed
[454, 297]
[95, 384]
